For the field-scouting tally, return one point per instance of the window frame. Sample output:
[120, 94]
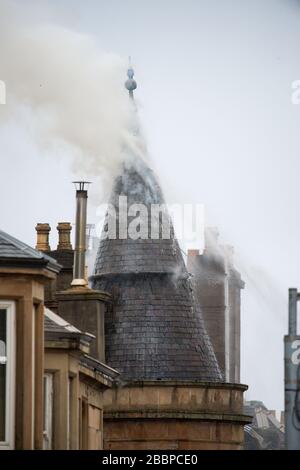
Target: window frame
[48, 409]
[10, 389]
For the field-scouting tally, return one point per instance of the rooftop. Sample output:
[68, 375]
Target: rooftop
[13, 252]
[154, 330]
[58, 330]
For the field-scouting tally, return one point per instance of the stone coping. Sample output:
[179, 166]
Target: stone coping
[178, 414]
[83, 293]
[182, 383]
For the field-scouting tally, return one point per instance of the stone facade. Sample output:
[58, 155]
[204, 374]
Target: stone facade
[24, 272]
[78, 382]
[174, 415]
[86, 308]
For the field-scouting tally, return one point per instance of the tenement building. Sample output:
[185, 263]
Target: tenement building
[23, 275]
[51, 386]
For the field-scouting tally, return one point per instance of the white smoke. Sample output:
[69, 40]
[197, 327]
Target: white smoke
[68, 92]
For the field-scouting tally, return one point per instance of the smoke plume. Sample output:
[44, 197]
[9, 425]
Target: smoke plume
[68, 92]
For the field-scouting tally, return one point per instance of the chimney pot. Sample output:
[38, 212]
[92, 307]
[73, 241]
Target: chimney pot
[42, 243]
[64, 236]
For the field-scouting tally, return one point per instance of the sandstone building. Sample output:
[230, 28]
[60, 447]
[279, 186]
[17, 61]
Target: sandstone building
[51, 388]
[74, 383]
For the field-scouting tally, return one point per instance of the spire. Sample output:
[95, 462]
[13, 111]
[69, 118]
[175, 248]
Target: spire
[130, 83]
[155, 330]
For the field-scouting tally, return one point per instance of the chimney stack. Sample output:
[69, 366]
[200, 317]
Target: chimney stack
[79, 305]
[42, 242]
[64, 236]
[80, 234]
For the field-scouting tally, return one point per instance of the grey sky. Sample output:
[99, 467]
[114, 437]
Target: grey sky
[214, 92]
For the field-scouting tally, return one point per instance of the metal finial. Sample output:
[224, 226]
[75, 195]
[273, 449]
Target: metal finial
[130, 83]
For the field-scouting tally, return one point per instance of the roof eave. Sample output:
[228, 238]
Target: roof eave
[40, 263]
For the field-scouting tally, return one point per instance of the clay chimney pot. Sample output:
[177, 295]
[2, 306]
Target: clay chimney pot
[42, 242]
[64, 236]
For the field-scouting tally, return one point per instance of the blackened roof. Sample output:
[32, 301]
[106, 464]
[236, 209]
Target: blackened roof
[155, 328]
[15, 252]
[139, 184]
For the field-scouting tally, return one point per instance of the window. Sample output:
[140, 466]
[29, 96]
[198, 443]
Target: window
[34, 311]
[83, 424]
[70, 411]
[48, 411]
[7, 374]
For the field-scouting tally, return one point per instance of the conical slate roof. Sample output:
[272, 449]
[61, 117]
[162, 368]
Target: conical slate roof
[154, 330]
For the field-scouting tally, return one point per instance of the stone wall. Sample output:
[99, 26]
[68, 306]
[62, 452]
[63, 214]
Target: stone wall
[174, 415]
